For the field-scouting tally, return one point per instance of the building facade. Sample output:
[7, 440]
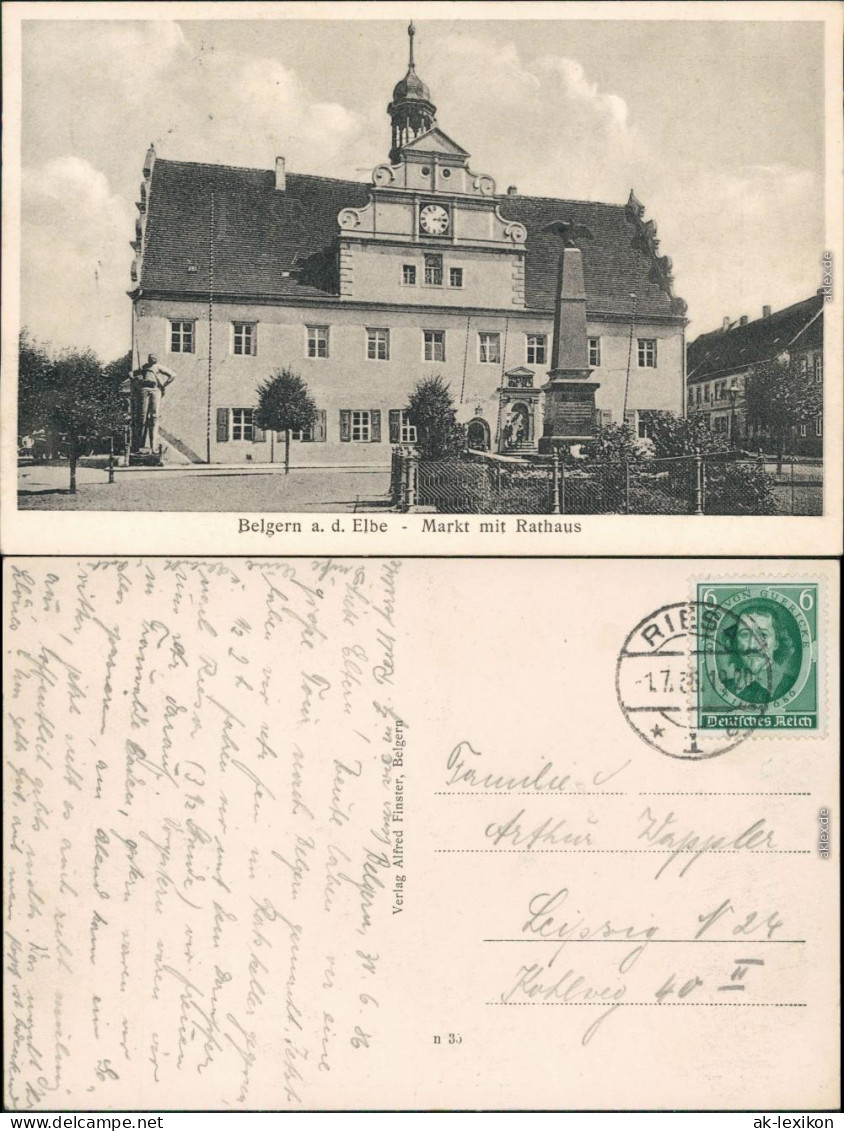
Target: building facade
[364, 289]
[719, 362]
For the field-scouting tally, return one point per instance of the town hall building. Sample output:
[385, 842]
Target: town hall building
[364, 289]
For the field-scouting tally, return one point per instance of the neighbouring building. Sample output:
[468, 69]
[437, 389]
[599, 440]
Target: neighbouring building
[365, 288]
[718, 364]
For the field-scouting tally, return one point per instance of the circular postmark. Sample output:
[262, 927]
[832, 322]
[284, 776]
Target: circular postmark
[662, 667]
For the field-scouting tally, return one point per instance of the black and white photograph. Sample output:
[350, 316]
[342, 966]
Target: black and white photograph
[510, 266]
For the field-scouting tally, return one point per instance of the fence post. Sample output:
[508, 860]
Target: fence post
[697, 501]
[395, 477]
[792, 484]
[111, 462]
[555, 482]
[412, 479]
[563, 489]
[404, 477]
[627, 486]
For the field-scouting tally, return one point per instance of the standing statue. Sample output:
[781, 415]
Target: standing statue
[150, 382]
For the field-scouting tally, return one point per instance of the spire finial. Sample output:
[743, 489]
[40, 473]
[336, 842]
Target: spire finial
[411, 31]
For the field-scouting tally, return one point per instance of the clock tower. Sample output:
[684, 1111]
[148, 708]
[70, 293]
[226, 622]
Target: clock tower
[411, 110]
[432, 231]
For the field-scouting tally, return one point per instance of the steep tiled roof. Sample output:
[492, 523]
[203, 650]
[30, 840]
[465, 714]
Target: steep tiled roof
[273, 243]
[725, 351]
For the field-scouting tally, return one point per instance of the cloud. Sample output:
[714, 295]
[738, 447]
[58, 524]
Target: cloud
[740, 238]
[577, 87]
[539, 114]
[121, 86]
[76, 258]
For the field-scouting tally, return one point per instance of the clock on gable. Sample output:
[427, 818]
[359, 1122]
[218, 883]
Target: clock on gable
[434, 220]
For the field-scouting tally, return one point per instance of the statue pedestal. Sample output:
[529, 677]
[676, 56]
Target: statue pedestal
[570, 415]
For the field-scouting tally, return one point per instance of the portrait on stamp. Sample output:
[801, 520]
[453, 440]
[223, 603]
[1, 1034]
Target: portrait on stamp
[757, 655]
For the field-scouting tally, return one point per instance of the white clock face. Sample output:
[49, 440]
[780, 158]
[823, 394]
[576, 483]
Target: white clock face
[434, 219]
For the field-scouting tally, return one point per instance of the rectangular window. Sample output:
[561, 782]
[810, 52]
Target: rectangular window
[434, 345]
[401, 430]
[314, 433]
[707, 389]
[536, 344]
[244, 338]
[378, 344]
[243, 427]
[181, 337]
[455, 276]
[594, 353]
[408, 275]
[317, 341]
[804, 367]
[818, 369]
[819, 426]
[803, 429]
[489, 348]
[433, 270]
[647, 353]
[360, 426]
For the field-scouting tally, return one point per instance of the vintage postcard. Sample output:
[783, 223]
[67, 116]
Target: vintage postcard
[488, 281]
[396, 833]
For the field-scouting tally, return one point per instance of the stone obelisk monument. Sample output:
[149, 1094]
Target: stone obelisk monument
[570, 416]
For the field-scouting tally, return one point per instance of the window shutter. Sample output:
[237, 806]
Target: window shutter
[395, 425]
[375, 425]
[345, 425]
[319, 426]
[222, 425]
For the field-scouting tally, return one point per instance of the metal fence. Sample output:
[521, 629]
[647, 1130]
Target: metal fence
[723, 483]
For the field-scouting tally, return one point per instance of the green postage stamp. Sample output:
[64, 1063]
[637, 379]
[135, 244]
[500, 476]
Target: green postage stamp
[757, 660]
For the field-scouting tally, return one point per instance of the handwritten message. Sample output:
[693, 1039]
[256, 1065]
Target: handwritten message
[204, 828]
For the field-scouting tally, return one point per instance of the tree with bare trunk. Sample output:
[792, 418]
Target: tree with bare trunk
[285, 405]
[779, 398]
[71, 397]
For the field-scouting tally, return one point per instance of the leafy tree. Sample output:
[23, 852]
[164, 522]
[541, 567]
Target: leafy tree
[672, 435]
[120, 369]
[431, 410]
[33, 368]
[285, 405]
[74, 401]
[614, 444]
[778, 398]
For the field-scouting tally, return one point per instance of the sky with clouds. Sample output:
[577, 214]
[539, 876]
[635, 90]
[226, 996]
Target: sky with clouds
[717, 126]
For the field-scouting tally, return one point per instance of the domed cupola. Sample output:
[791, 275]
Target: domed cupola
[412, 112]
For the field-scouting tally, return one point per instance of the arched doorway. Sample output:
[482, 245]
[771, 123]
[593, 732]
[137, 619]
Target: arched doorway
[518, 428]
[478, 434]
